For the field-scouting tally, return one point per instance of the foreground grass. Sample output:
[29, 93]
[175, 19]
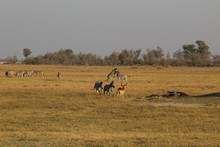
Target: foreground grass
[45, 111]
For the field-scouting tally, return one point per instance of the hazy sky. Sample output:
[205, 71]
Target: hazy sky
[104, 26]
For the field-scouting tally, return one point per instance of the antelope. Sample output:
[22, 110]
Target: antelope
[121, 90]
[58, 75]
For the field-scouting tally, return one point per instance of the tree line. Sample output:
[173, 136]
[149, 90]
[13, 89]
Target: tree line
[197, 54]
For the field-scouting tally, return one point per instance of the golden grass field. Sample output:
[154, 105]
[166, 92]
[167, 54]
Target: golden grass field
[47, 111]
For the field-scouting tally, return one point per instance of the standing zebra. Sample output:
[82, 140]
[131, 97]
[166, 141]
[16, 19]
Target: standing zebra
[108, 88]
[122, 77]
[111, 74]
[98, 87]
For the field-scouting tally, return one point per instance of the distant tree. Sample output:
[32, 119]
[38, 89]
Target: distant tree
[91, 59]
[191, 54]
[136, 59]
[38, 59]
[216, 60]
[68, 52]
[129, 57]
[168, 60]
[178, 58]
[154, 56]
[149, 57]
[112, 59]
[197, 55]
[124, 57]
[205, 54]
[81, 59]
[34, 60]
[12, 60]
[100, 61]
[64, 56]
[202, 47]
[26, 52]
[159, 54]
[189, 49]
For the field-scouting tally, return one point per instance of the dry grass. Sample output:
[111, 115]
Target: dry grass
[46, 111]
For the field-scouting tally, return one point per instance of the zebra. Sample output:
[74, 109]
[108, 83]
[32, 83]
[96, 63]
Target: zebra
[111, 74]
[38, 73]
[10, 73]
[98, 87]
[28, 73]
[20, 73]
[108, 88]
[122, 77]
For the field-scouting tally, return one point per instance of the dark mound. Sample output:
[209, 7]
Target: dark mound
[217, 94]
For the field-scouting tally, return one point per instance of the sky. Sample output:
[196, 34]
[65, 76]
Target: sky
[104, 26]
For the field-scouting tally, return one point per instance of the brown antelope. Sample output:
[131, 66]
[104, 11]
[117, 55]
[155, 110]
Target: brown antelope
[59, 75]
[121, 90]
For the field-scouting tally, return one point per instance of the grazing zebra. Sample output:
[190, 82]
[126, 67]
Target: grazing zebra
[108, 88]
[20, 73]
[10, 73]
[38, 73]
[121, 90]
[98, 87]
[122, 77]
[24, 73]
[29, 73]
[111, 74]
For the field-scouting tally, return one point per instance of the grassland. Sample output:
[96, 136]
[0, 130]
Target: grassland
[46, 111]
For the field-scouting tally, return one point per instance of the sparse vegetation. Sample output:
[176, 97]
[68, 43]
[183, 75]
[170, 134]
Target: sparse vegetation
[47, 111]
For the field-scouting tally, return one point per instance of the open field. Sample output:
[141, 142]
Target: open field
[47, 111]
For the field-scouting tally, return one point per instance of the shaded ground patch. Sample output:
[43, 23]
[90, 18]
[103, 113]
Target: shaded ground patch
[176, 94]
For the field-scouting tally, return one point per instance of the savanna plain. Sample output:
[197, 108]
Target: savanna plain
[66, 111]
